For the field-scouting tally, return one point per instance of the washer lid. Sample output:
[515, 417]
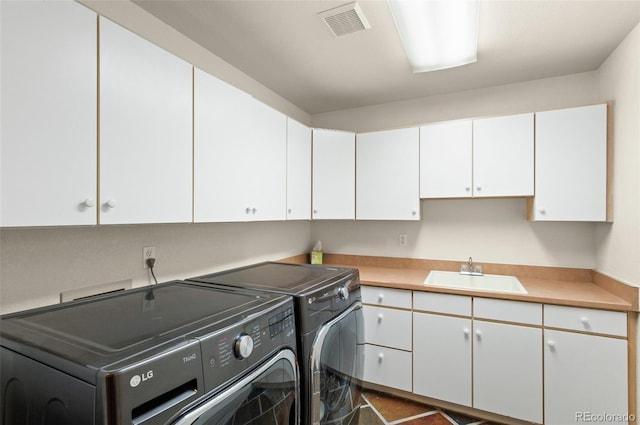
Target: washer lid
[107, 329]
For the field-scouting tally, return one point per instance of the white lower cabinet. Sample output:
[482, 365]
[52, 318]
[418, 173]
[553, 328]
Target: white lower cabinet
[387, 334]
[388, 327]
[442, 357]
[388, 367]
[499, 356]
[585, 379]
[507, 370]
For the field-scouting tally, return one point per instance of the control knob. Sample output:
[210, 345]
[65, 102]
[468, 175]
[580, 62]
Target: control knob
[243, 346]
[343, 293]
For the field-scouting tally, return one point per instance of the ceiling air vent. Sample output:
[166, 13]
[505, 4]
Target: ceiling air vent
[345, 19]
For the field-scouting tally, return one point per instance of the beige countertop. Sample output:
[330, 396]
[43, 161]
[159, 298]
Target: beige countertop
[549, 285]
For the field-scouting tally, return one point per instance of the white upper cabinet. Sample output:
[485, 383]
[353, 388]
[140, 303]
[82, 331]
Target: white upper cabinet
[266, 182]
[571, 165]
[446, 160]
[333, 174]
[503, 156]
[387, 175]
[239, 155]
[298, 171]
[145, 131]
[490, 157]
[48, 151]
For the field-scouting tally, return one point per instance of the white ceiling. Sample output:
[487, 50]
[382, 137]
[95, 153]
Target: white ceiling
[284, 45]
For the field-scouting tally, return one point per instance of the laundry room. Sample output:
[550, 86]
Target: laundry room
[499, 195]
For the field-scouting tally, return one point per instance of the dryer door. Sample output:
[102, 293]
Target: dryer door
[268, 395]
[337, 362]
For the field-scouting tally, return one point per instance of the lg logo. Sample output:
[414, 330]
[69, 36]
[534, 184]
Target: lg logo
[138, 379]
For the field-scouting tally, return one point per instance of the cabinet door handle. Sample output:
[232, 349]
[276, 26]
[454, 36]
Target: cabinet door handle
[89, 203]
[380, 357]
[478, 188]
[467, 188]
[466, 332]
[380, 317]
[479, 334]
[289, 210]
[542, 211]
[247, 210]
[551, 344]
[111, 203]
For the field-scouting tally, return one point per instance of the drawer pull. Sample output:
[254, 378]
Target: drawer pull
[380, 317]
[585, 321]
[380, 297]
[380, 357]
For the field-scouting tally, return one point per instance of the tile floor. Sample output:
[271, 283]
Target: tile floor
[383, 409]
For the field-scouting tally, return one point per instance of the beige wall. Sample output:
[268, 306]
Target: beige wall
[37, 264]
[530, 96]
[618, 253]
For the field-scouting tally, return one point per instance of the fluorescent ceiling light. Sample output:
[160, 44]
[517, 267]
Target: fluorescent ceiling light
[437, 34]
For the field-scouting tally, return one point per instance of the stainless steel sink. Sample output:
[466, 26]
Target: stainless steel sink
[487, 282]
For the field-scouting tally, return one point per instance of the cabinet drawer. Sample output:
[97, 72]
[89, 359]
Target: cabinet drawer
[586, 319]
[388, 367]
[442, 303]
[508, 311]
[388, 297]
[387, 327]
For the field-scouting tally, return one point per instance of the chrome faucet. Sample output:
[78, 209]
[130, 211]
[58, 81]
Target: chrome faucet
[471, 269]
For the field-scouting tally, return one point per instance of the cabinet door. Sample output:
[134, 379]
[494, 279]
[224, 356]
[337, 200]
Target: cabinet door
[446, 160]
[575, 388]
[265, 181]
[388, 367]
[49, 104]
[507, 370]
[442, 357]
[239, 155]
[387, 327]
[145, 131]
[503, 156]
[387, 175]
[571, 165]
[298, 171]
[221, 135]
[334, 174]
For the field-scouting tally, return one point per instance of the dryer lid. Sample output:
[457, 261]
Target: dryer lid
[284, 278]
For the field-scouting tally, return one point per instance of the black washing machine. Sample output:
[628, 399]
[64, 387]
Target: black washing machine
[175, 353]
[330, 328]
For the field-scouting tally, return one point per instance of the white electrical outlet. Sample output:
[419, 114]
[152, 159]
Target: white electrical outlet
[402, 239]
[148, 252]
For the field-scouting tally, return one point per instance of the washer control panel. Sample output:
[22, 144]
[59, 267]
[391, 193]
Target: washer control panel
[233, 350]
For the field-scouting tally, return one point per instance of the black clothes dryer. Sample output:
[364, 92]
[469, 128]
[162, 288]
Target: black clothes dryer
[330, 328]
